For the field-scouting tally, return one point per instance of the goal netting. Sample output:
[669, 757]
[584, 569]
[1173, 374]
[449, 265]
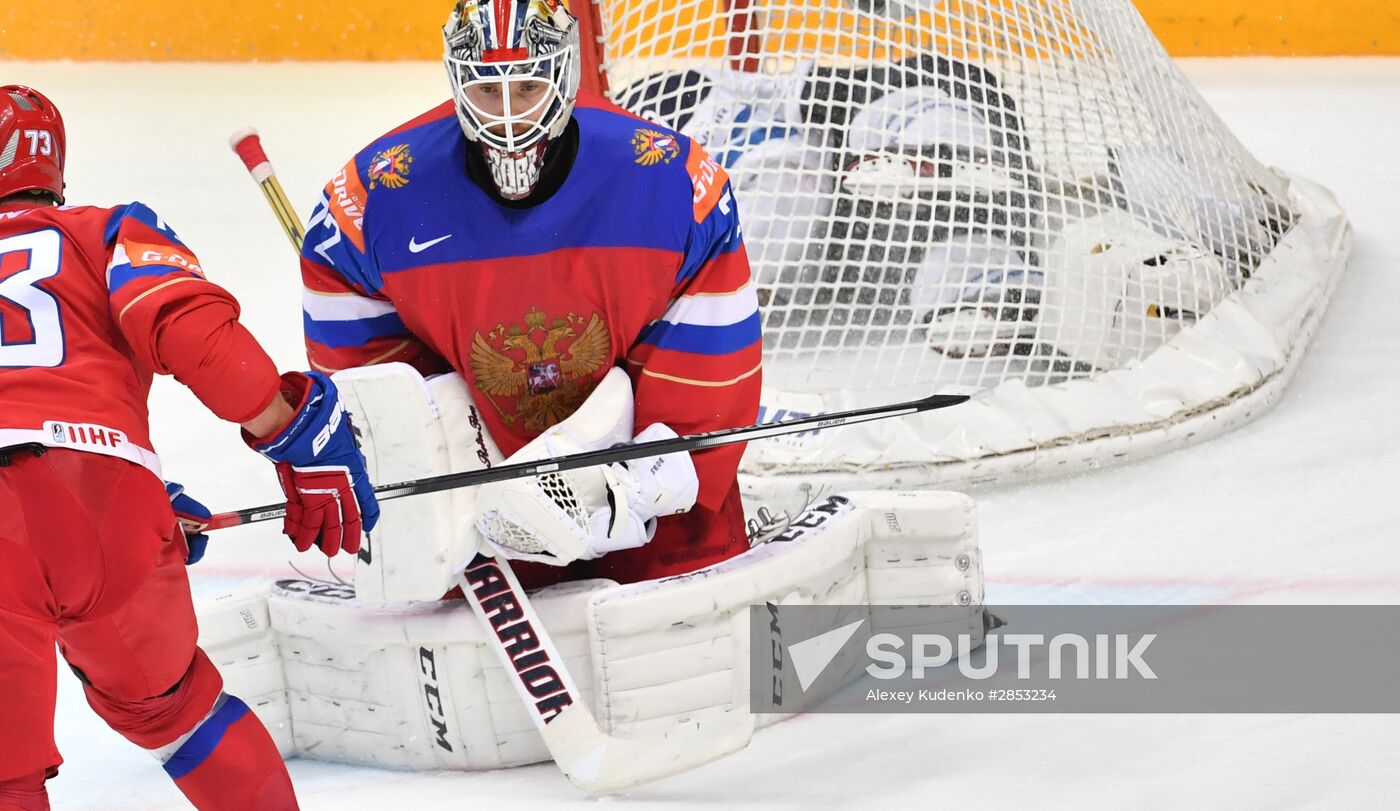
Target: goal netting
[1025, 197]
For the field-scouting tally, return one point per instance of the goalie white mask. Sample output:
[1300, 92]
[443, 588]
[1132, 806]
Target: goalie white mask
[514, 67]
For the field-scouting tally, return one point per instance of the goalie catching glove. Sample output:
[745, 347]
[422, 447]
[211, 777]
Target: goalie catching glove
[583, 514]
[330, 500]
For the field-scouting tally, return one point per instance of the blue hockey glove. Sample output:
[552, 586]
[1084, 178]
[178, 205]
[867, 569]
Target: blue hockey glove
[193, 518]
[330, 500]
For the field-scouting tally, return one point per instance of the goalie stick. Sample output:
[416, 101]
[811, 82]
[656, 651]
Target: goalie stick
[248, 145]
[593, 760]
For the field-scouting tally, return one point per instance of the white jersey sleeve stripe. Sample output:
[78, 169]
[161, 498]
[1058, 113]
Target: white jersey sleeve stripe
[344, 307]
[714, 310]
[119, 257]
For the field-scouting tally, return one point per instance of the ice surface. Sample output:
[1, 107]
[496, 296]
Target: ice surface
[1298, 507]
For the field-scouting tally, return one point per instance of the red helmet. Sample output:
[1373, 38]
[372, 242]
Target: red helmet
[32, 143]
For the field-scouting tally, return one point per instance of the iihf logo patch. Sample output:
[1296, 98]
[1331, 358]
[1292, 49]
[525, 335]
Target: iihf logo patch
[390, 167]
[655, 147]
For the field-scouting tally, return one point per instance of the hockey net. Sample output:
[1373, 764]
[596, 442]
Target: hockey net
[1021, 196]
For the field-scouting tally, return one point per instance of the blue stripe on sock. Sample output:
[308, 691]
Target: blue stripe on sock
[205, 739]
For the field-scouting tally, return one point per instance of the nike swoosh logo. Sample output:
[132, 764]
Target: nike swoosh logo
[414, 246]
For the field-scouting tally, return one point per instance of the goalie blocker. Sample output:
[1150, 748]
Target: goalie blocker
[397, 681]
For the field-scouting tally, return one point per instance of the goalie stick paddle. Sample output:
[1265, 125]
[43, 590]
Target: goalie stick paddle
[620, 453]
[592, 760]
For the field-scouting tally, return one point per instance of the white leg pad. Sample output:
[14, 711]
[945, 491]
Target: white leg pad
[410, 428]
[415, 686]
[236, 633]
[410, 686]
[667, 647]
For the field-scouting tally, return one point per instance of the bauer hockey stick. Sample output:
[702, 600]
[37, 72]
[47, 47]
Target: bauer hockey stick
[621, 453]
[593, 760]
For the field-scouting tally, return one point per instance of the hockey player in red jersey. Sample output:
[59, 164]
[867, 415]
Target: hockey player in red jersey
[533, 237]
[93, 301]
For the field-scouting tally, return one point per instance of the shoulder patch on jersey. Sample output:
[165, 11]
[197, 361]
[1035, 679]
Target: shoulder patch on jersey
[709, 180]
[141, 254]
[390, 167]
[347, 203]
[653, 147]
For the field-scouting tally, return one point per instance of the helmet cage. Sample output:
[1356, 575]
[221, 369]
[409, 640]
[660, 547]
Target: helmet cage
[515, 130]
[549, 54]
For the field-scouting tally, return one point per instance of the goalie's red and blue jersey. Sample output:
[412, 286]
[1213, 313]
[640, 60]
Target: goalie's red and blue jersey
[84, 295]
[636, 261]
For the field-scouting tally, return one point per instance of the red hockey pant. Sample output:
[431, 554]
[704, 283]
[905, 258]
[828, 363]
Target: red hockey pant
[91, 559]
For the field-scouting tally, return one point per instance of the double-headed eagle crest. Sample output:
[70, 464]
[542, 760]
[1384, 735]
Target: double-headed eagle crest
[390, 168]
[544, 369]
[654, 147]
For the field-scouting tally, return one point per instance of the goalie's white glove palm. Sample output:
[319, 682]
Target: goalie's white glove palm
[584, 514]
